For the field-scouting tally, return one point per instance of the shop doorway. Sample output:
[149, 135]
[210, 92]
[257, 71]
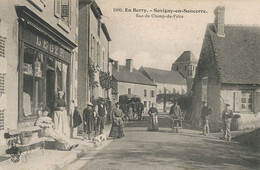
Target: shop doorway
[50, 90]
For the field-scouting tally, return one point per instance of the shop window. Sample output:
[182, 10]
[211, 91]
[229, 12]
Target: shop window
[33, 82]
[247, 101]
[41, 77]
[145, 93]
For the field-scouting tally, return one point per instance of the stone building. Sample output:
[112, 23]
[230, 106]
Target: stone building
[38, 56]
[93, 53]
[186, 64]
[228, 72]
[166, 81]
[128, 80]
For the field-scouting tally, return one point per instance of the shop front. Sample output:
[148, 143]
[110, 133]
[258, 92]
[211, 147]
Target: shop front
[44, 67]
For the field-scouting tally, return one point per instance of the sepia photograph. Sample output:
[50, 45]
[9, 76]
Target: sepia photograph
[129, 84]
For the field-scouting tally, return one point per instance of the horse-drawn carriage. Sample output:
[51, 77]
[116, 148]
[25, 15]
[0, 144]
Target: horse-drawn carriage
[131, 106]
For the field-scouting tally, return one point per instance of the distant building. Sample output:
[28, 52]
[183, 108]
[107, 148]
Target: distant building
[128, 80]
[166, 81]
[186, 64]
[228, 71]
[93, 52]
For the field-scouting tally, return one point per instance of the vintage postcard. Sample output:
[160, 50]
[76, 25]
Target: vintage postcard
[129, 84]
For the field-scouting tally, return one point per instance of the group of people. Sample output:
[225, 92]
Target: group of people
[227, 115]
[177, 118]
[135, 111]
[94, 120]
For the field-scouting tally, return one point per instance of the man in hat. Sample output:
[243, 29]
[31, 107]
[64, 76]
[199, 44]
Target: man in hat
[227, 115]
[175, 116]
[205, 112]
[89, 120]
[102, 113]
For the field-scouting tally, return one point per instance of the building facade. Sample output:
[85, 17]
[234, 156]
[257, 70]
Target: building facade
[93, 53]
[39, 41]
[227, 76]
[128, 80]
[168, 82]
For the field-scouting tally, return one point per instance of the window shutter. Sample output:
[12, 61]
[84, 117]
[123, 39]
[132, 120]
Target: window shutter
[57, 7]
[65, 11]
[70, 8]
[2, 84]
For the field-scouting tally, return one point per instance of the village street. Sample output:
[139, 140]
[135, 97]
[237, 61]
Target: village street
[140, 149]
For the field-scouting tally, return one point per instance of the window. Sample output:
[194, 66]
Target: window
[129, 91]
[176, 68]
[189, 72]
[32, 82]
[152, 93]
[41, 77]
[145, 93]
[103, 60]
[150, 104]
[145, 103]
[63, 10]
[247, 101]
[185, 67]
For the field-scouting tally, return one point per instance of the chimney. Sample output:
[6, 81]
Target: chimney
[129, 65]
[219, 21]
[116, 65]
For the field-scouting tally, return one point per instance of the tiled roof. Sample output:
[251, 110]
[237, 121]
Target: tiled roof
[164, 76]
[237, 54]
[187, 56]
[123, 75]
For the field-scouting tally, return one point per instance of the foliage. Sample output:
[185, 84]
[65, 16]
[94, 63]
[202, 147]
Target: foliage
[184, 100]
[105, 80]
[97, 101]
[91, 73]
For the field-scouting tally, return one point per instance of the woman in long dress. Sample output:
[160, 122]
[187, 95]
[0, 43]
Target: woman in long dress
[89, 117]
[153, 119]
[60, 117]
[117, 130]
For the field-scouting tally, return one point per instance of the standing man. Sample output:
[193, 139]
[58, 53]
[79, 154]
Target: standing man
[89, 117]
[227, 115]
[140, 109]
[102, 113]
[175, 116]
[205, 112]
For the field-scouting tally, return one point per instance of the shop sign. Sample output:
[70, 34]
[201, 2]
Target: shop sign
[47, 46]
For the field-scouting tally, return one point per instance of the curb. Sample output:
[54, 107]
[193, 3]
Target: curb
[76, 154]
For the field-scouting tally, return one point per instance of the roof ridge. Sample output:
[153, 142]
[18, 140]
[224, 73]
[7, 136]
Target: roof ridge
[244, 25]
[147, 73]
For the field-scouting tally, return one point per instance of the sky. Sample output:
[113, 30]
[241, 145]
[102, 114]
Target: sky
[157, 42]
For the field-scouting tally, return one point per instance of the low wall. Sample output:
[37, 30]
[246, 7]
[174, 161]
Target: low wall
[243, 121]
